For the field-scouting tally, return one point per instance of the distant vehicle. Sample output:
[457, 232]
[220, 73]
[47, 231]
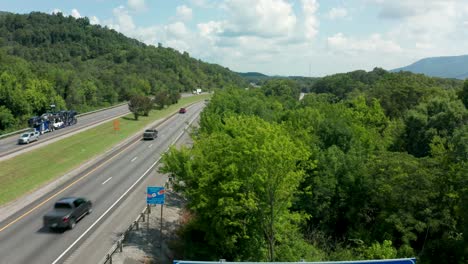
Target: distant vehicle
[150, 134]
[27, 137]
[182, 110]
[58, 125]
[49, 122]
[66, 212]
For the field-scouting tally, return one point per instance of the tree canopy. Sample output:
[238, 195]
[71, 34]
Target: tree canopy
[55, 59]
[368, 166]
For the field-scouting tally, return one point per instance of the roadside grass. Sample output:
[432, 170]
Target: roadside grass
[26, 172]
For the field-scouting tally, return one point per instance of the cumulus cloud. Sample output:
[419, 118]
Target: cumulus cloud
[426, 22]
[75, 13]
[137, 5]
[184, 13]
[124, 22]
[177, 30]
[266, 18]
[310, 8]
[425, 27]
[375, 43]
[251, 32]
[56, 11]
[426, 46]
[94, 20]
[337, 12]
[211, 29]
[204, 3]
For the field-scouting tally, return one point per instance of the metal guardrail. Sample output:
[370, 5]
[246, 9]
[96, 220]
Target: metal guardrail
[83, 114]
[14, 133]
[102, 109]
[118, 246]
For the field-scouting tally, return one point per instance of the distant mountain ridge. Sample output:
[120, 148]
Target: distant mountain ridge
[445, 67]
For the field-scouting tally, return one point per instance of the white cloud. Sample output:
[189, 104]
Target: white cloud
[426, 46]
[251, 32]
[56, 11]
[137, 5]
[94, 20]
[211, 29]
[75, 13]
[375, 43]
[425, 28]
[184, 13]
[427, 23]
[124, 21]
[266, 18]
[310, 8]
[204, 3]
[177, 30]
[337, 12]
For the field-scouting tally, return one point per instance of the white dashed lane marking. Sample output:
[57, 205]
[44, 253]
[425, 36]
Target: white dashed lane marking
[107, 180]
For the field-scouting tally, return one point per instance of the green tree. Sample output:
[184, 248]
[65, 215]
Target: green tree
[140, 105]
[7, 119]
[463, 94]
[161, 99]
[380, 251]
[439, 116]
[240, 183]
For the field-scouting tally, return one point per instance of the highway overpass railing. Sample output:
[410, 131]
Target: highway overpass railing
[379, 261]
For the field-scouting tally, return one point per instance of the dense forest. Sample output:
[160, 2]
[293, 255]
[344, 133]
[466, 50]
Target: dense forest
[54, 59]
[258, 79]
[369, 165]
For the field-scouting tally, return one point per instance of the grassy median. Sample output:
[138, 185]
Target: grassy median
[24, 173]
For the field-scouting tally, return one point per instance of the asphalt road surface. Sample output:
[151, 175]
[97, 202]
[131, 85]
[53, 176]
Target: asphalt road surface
[9, 146]
[107, 184]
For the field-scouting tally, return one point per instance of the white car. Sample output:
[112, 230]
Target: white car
[27, 137]
[57, 125]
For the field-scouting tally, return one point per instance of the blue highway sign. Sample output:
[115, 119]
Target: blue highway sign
[155, 195]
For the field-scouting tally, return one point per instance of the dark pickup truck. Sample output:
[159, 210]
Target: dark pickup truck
[67, 211]
[150, 134]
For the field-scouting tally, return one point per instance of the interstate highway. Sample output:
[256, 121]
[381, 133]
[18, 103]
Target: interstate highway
[10, 148]
[24, 240]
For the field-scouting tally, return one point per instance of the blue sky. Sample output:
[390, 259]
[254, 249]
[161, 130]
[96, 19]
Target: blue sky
[282, 37]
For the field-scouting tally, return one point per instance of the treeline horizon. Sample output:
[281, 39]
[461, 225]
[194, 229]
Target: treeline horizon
[369, 165]
[55, 59]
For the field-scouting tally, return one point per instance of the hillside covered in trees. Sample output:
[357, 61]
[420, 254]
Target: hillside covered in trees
[53, 59]
[370, 165]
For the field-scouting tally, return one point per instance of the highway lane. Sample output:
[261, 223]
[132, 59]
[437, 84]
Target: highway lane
[97, 245]
[26, 241]
[9, 146]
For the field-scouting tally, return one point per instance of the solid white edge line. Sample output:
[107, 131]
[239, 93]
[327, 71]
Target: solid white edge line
[107, 211]
[120, 198]
[106, 181]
